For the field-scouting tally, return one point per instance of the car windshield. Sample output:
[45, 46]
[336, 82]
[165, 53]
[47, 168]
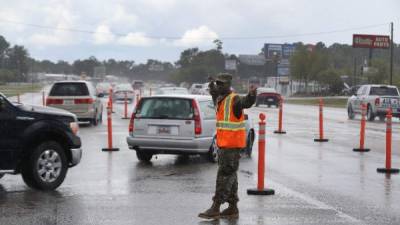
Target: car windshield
[69, 89]
[165, 108]
[384, 91]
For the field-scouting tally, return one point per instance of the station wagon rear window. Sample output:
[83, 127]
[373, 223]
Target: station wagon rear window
[165, 108]
[383, 91]
[207, 107]
[69, 89]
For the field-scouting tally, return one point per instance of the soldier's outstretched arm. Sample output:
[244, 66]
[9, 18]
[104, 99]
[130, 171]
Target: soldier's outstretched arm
[249, 100]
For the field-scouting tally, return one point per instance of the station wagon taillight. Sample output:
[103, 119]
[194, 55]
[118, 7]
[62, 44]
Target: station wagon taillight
[197, 121]
[84, 101]
[131, 127]
[54, 101]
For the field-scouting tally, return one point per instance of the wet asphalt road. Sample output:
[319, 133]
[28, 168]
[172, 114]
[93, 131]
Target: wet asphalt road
[315, 183]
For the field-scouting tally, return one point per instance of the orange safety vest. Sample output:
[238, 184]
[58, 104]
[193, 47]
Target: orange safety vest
[231, 131]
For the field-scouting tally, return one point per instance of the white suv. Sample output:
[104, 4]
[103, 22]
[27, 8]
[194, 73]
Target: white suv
[78, 97]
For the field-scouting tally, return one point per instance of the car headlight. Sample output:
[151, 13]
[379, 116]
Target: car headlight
[74, 127]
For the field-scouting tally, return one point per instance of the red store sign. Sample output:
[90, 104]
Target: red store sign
[370, 41]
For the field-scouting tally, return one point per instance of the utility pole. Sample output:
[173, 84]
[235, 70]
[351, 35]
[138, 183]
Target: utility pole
[391, 53]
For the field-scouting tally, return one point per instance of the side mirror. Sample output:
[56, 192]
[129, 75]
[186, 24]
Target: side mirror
[100, 95]
[246, 117]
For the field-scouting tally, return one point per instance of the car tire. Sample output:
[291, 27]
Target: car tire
[1, 175]
[101, 117]
[213, 152]
[249, 144]
[144, 156]
[95, 120]
[370, 114]
[46, 168]
[350, 112]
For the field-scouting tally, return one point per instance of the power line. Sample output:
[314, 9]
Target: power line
[76, 30]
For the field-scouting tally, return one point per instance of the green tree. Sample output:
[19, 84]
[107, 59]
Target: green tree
[18, 58]
[218, 44]
[330, 79]
[4, 45]
[196, 66]
[85, 66]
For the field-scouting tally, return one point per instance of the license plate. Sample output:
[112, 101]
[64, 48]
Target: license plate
[164, 130]
[68, 102]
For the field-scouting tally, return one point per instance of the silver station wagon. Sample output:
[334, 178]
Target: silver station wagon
[175, 124]
[172, 124]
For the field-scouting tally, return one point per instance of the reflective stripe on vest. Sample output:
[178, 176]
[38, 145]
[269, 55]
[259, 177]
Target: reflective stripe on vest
[231, 131]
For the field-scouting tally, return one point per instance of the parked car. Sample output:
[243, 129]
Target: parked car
[172, 90]
[41, 143]
[195, 89]
[377, 98]
[120, 90]
[268, 96]
[174, 124]
[103, 89]
[78, 97]
[137, 84]
[205, 90]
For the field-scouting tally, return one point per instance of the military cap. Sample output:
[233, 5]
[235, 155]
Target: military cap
[224, 77]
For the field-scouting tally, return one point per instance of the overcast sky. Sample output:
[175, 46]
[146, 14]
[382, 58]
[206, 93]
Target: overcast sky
[161, 29]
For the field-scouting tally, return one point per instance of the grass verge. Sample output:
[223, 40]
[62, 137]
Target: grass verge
[329, 102]
[15, 89]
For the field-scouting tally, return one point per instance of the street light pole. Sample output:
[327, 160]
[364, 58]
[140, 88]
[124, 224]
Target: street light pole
[391, 53]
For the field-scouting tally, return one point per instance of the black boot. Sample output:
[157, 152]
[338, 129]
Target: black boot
[211, 213]
[232, 212]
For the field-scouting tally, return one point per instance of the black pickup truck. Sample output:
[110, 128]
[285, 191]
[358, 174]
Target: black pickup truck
[41, 143]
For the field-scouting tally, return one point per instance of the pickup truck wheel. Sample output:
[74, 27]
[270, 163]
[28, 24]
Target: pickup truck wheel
[213, 152]
[143, 156]
[1, 175]
[46, 167]
[370, 114]
[350, 112]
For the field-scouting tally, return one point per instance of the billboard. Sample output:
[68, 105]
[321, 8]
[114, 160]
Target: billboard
[288, 50]
[252, 60]
[272, 50]
[370, 41]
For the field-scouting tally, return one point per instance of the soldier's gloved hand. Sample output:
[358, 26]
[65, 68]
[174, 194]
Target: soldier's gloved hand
[253, 90]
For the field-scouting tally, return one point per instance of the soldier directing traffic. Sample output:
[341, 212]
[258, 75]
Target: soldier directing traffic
[231, 138]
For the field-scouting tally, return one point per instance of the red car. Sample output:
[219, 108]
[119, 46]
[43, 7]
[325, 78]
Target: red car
[268, 96]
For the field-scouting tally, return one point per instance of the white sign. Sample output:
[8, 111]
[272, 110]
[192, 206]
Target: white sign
[230, 64]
